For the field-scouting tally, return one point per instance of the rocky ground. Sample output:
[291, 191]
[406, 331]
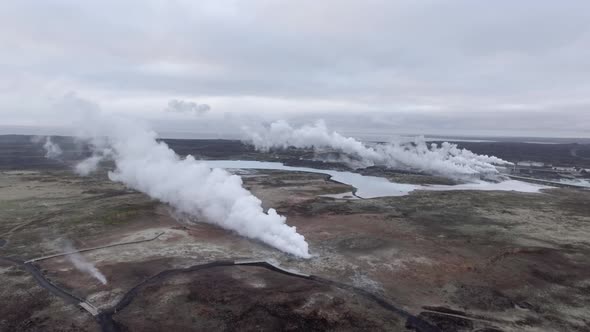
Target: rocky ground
[462, 260]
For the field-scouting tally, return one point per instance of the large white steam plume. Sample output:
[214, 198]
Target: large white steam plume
[82, 264]
[188, 185]
[415, 154]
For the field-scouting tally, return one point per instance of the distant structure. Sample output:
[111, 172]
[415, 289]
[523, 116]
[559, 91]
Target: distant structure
[547, 172]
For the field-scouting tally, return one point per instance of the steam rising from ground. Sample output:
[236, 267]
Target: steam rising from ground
[100, 151]
[88, 165]
[82, 264]
[52, 150]
[413, 154]
[191, 187]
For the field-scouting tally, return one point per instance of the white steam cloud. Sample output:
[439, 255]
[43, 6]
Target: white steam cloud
[89, 165]
[52, 150]
[188, 185]
[82, 264]
[413, 154]
[181, 106]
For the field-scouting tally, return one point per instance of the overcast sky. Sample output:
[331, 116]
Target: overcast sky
[418, 66]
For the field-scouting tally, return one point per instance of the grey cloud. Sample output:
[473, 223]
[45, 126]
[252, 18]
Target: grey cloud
[181, 106]
[464, 57]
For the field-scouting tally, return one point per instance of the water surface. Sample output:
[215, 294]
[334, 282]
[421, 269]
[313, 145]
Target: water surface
[373, 186]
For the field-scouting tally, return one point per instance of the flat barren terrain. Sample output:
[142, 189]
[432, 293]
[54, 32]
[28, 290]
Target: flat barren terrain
[451, 261]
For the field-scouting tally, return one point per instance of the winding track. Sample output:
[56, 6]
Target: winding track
[105, 318]
[93, 248]
[412, 321]
[44, 282]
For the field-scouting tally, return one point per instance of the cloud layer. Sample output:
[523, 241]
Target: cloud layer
[181, 106]
[428, 59]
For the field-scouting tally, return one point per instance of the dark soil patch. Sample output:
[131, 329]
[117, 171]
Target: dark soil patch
[251, 299]
[481, 298]
[362, 243]
[447, 323]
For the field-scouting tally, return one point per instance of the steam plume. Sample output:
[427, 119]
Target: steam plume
[90, 164]
[52, 150]
[191, 187]
[83, 265]
[415, 154]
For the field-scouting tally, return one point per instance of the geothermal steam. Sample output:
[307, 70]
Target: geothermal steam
[191, 187]
[82, 264]
[414, 154]
[52, 150]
